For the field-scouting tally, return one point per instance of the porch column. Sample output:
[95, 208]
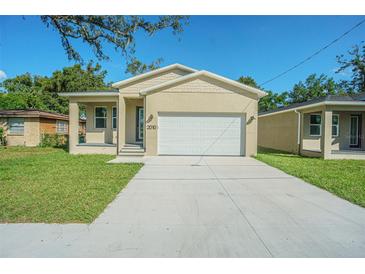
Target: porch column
[121, 122]
[73, 126]
[326, 138]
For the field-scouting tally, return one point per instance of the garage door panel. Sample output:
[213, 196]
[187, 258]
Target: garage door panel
[200, 134]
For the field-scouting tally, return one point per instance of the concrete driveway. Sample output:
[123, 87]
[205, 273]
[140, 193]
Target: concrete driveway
[204, 207]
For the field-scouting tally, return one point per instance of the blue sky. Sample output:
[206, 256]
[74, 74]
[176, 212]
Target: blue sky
[259, 46]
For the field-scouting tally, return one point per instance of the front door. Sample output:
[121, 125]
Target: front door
[355, 131]
[139, 124]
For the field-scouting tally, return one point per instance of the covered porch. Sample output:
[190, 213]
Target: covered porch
[333, 132]
[114, 123]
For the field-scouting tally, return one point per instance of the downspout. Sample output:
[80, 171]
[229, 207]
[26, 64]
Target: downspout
[298, 131]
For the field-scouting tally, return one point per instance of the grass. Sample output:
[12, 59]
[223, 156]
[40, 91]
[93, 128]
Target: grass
[344, 178]
[51, 186]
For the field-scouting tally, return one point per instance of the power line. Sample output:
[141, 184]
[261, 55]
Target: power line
[314, 54]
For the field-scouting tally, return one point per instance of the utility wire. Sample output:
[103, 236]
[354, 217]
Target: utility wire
[314, 54]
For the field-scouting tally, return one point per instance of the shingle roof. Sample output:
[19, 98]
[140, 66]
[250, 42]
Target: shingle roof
[329, 98]
[32, 113]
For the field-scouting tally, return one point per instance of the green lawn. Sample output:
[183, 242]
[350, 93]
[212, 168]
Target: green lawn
[51, 186]
[345, 178]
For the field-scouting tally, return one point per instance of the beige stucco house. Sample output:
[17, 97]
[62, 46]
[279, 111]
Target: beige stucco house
[25, 127]
[332, 127]
[174, 110]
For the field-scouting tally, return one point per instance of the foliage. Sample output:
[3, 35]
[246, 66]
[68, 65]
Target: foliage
[54, 140]
[272, 101]
[51, 186]
[136, 67]
[357, 65]
[2, 137]
[313, 87]
[38, 92]
[345, 178]
[268, 102]
[118, 31]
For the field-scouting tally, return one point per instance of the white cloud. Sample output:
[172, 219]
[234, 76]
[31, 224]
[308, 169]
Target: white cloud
[2, 74]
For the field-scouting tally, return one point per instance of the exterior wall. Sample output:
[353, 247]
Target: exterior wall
[204, 96]
[131, 116]
[47, 126]
[311, 143]
[31, 135]
[100, 135]
[279, 131]
[137, 86]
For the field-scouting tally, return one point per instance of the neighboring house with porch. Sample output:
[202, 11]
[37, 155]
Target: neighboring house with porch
[25, 127]
[331, 127]
[174, 110]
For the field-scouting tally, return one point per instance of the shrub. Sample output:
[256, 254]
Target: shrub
[54, 140]
[2, 137]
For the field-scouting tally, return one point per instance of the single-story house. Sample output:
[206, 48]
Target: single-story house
[174, 110]
[25, 127]
[332, 127]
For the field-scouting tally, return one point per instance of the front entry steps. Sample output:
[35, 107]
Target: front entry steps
[132, 150]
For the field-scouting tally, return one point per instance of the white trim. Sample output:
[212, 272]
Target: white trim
[88, 93]
[106, 117]
[337, 126]
[320, 125]
[328, 103]
[152, 73]
[208, 74]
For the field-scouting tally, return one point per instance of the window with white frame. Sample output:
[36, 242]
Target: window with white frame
[100, 117]
[16, 126]
[315, 124]
[114, 116]
[335, 125]
[62, 127]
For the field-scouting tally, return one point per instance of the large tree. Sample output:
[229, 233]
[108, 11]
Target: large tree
[116, 31]
[271, 100]
[356, 64]
[314, 86]
[39, 92]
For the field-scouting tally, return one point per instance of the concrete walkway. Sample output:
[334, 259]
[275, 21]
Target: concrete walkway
[204, 207]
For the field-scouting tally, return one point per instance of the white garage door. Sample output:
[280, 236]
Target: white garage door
[200, 134]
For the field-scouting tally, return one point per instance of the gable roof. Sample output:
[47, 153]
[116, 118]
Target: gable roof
[208, 74]
[356, 99]
[152, 73]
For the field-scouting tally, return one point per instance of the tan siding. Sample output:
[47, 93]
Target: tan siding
[279, 131]
[192, 97]
[136, 87]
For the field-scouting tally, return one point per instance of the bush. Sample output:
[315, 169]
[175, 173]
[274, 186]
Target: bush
[54, 140]
[2, 137]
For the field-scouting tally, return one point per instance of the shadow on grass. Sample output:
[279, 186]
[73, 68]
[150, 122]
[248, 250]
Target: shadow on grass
[275, 152]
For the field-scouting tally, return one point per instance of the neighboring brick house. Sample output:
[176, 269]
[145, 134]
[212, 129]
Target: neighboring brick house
[25, 127]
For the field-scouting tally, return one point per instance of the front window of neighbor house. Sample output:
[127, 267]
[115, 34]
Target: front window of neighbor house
[100, 117]
[335, 125]
[61, 127]
[114, 121]
[315, 125]
[16, 126]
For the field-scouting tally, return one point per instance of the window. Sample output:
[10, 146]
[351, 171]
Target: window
[16, 126]
[335, 125]
[100, 117]
[61, 127]
[114, 115]
[315, 125]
